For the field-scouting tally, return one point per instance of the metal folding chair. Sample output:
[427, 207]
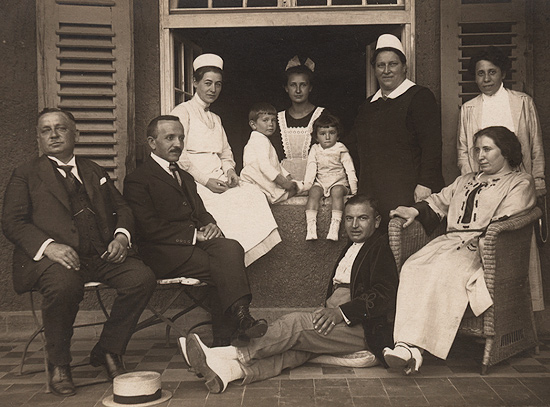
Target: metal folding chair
[183, 285]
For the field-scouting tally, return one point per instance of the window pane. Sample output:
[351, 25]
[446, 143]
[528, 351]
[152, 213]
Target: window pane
[484, 1]
[262, 3]
[227, 3]
[346, 2]
[178, 80]
[312, 2]
[192, 3]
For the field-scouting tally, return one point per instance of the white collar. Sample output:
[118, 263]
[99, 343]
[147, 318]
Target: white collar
[402, 88]
[203, 105]
[72, 161]
[258, 134]
[162, 162]
[499, 95]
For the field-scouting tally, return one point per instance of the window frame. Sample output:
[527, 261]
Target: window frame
[171, 19]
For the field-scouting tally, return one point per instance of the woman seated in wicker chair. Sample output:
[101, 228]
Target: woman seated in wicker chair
[439, 281]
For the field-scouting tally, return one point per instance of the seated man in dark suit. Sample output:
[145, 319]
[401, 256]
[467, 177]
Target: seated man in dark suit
[178, 237]
[358, 314]
[70, 225]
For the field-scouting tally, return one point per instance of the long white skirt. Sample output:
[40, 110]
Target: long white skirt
[435, 286]
[243, 214]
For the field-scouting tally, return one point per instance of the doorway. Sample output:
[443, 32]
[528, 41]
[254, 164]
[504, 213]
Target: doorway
[255, 59]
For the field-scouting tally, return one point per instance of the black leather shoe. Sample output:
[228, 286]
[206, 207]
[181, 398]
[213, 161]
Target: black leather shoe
[110, 361]
[246, 324]
[61, 380]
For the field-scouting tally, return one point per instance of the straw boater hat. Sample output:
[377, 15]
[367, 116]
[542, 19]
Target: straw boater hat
[141, 389]
[207, 60]
[390, 41]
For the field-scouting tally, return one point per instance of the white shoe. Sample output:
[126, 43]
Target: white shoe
[404, 356]
[182, 344]
[217, 372]
[333, 230]
[311, 231]
[362, 358]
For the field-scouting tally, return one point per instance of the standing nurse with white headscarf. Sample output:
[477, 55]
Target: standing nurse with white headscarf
[398, 134]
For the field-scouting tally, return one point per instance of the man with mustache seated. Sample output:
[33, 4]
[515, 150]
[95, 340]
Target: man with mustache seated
[177, 237]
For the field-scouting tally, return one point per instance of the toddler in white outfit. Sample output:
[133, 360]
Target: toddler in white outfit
[329, 172]
[260, 163]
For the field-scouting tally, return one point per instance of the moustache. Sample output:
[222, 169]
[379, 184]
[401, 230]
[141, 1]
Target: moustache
[175, 150]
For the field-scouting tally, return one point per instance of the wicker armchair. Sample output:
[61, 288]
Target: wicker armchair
[508, 325]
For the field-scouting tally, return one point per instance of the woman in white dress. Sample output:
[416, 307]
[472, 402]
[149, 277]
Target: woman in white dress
[296, 123]
[498, 106]
[240, 209]
[438, 282]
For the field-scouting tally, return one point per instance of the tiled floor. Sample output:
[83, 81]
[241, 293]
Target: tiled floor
[521, 381]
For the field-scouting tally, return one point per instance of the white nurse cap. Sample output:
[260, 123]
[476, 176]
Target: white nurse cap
[390, 41]
[207, 60]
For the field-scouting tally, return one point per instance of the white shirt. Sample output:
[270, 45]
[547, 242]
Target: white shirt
[163, 163]
[405, 86]
[40, 253]
[72, 162]
[495, 110]
[343, 271]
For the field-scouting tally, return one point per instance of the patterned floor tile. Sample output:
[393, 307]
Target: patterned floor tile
[521, 381]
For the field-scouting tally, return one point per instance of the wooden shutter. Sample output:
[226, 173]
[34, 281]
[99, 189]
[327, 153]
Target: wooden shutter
[466, 28]
[85, 65]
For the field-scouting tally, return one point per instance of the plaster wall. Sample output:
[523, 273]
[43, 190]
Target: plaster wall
[146, 68]
[18, 106]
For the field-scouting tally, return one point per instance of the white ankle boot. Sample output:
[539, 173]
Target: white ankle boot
[404, 356]
[217, 371]
[311, 230]
[333, 230]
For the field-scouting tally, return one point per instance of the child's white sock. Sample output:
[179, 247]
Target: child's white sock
[311, 218]
[334, 225]
[311, 215]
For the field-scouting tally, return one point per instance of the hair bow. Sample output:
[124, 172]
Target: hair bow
[296, 62]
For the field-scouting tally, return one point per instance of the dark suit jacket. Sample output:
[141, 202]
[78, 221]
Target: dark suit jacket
[166, 217]
[373, 287]
[37, 207]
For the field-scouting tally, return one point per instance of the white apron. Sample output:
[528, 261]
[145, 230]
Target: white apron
[296, 143]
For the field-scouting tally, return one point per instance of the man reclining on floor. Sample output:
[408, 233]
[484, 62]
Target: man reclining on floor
[358, 314]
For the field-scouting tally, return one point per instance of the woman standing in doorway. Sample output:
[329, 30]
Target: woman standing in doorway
[240, 209]
[296, 122]
[398, 135]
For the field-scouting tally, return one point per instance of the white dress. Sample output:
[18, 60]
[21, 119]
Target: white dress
[261, 166]
[296, 142]
[438, 282]
[328, 167]
[242, 213]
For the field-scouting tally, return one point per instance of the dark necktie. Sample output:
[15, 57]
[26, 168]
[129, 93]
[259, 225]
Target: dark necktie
[467, 218]
[72, 182]
[174, 168]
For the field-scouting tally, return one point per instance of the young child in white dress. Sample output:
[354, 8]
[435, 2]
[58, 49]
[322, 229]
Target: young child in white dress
[329, 172]
[260, 163]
